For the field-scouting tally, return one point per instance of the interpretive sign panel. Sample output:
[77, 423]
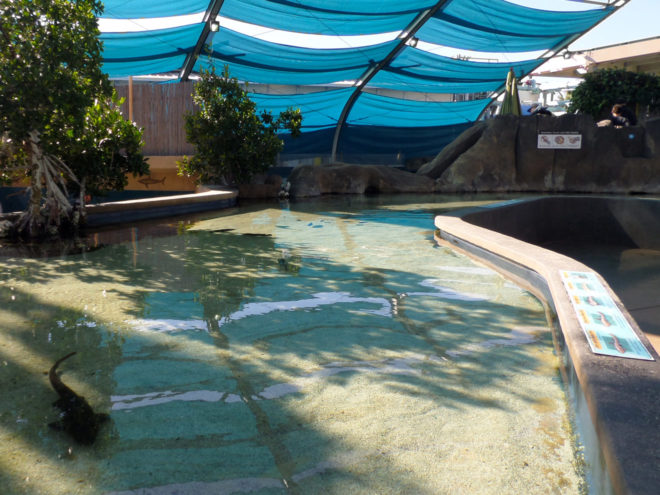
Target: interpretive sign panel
[552, 140]
[606, 329]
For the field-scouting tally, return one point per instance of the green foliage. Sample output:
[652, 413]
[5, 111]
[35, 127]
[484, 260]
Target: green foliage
[603, 88]
[108, 149]
[232, 142]
[58, 108]
[50, 67]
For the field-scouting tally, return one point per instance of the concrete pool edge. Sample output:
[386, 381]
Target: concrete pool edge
[159, 207]
[620, 395]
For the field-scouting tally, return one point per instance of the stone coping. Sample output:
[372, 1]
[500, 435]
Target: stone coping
[179, 199]
[622, 396]
[149, 208]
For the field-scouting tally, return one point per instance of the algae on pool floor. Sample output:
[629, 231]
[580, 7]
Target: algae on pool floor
[343, 352]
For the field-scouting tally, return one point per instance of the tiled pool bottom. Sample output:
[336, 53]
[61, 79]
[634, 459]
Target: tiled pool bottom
[330, 348]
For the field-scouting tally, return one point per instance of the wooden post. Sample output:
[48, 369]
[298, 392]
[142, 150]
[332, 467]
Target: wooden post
[130, 98]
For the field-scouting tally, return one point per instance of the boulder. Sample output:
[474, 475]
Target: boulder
[452, 151]
[310, 180]
[261, 187]
[490, 164]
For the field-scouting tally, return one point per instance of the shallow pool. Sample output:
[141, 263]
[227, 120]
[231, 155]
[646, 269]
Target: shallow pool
[325, 347]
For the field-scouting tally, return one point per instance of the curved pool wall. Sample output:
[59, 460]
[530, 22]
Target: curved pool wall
[616, 401]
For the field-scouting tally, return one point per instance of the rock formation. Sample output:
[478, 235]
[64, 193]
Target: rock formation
[309, 180]
[501, 155]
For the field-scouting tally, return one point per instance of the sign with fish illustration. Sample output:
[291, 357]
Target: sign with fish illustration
[606, 329]
[566, 140]
[150, 181]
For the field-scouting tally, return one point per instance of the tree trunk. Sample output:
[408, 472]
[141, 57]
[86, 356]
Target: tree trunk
[47, 214]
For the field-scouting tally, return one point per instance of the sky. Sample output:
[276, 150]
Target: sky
[639, 19]
[635, 21]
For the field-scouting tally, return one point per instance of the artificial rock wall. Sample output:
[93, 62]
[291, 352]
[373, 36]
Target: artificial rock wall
[501, 155]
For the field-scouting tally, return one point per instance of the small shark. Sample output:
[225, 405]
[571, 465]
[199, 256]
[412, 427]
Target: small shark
[147, 181]
[77, 418]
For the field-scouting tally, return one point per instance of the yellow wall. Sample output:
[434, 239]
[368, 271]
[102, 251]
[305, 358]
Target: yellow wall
[163, 176]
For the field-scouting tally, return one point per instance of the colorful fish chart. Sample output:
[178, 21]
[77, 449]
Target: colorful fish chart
[606, 329]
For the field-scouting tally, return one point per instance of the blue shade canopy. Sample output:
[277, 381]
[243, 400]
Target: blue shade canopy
[136, 9]
[417, 70]
[329, 18]
[358, 7]
[502, 17]
[278, 76]
[148, 52]
[255, 60]
[379, 110]
[394, 80]
[146, 45]
[320, 109]
[500, 26]
[126, 67]
[492, 26]
[448, 33]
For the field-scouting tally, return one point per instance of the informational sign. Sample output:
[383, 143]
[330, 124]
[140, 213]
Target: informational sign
[552, 140]
[606, 329]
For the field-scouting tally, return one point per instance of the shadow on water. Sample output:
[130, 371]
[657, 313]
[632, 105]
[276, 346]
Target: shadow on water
[34, 334]
[234, 363]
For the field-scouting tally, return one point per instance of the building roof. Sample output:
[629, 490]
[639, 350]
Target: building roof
[635, 56]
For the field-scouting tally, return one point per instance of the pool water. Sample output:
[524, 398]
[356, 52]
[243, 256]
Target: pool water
[319, 347]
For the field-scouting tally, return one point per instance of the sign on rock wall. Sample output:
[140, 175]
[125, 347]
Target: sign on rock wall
[566, 140]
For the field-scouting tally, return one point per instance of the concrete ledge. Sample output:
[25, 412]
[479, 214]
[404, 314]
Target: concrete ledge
[617, 399]
[144, 209]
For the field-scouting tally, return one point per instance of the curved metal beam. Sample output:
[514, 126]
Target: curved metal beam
[616, 4]
[191, 58]
[410, 31]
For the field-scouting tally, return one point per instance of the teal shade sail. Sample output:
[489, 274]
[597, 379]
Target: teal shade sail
[319, 109]
[148, 52]
[137, 9]
[148, 45]
[129, 67]
[259, 61]
[380, 88]
[328, 18]
[421, 71]
[500, 26]
[502, 17]
[371, 109]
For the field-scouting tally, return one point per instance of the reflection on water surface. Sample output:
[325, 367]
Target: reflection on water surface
[340, 351]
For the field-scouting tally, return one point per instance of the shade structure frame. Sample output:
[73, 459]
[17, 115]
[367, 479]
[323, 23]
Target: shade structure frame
[382, 72]
[209, 17]
[367, 76]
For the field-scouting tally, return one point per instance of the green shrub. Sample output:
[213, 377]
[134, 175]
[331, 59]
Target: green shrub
[232, 142]
[60, 125]
[603, 88]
